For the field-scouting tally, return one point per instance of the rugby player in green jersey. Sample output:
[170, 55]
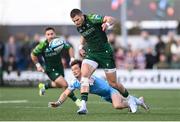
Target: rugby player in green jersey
[53, 65]
[98, 53]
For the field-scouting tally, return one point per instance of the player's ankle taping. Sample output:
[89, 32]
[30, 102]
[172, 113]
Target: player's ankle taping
[38, 64]
[108, 24]
[84, 81]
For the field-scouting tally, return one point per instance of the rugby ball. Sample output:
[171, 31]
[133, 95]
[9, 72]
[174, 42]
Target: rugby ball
[57, 44]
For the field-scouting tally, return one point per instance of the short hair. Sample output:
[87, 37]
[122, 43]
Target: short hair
[75, 12]
[49, 28]
[79, 62]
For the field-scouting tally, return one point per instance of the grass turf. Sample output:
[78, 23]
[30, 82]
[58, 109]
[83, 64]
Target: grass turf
[164, 106]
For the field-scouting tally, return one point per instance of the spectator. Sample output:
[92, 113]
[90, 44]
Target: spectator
[129, 60]
[145, 42]
[1, 71]
[178, 27]
[159, 47]
[36, 40]
[140, 60]
[175, 48]
[162, 64]
[171, 41]
[10, 48]
[2, 48]
[120, 57]
[32, 44]
[1, 62]
[10, 65]
[22, 51]
[150, 58]
[175, 63]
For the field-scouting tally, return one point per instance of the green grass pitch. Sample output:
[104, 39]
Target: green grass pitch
[164, 105]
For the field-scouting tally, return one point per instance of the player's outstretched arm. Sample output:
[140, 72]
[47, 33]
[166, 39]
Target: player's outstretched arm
[61, 99]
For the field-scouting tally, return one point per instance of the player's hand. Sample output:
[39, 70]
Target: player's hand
[54, 104]
[39, 68]
[71, 60]
[82, 52]
[104, 26]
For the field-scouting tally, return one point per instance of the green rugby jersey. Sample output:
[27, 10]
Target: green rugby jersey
[52, 58]
[91, 30]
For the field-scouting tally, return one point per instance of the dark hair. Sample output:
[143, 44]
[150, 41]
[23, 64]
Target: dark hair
[79, 62]
[49, 28]
[75, 12]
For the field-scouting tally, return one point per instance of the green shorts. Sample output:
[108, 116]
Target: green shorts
[54, 73]
[104, 59]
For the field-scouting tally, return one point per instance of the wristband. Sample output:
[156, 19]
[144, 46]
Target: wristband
[108, 24]
[72, 59]
[81, 46]
[58, 102]
[38, 64]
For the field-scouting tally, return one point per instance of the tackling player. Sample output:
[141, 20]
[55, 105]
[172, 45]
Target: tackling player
[98, 87]
[53, 65]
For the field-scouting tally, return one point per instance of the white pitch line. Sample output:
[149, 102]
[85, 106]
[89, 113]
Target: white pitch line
[13, 101]
[31, 107]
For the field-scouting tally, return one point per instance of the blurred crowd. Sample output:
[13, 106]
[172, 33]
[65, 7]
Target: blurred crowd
[148, 53]
[163, 54]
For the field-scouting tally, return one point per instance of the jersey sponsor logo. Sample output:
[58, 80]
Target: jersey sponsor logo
[52, 52]
[89, 31]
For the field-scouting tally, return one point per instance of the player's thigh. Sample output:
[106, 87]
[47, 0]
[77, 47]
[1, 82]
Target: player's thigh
[88, 67]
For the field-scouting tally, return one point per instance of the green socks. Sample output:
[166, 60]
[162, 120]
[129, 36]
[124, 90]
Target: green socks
[72, 96]
[84, 96]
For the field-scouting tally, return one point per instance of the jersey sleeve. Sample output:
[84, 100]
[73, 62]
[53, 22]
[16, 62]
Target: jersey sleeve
[74, 84]
[67, 45]
[71, 86]
[94, 18]
[39, 48]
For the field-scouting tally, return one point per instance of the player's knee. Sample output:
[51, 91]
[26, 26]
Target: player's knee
[113, 84]
[84, 81]
[61, 84]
